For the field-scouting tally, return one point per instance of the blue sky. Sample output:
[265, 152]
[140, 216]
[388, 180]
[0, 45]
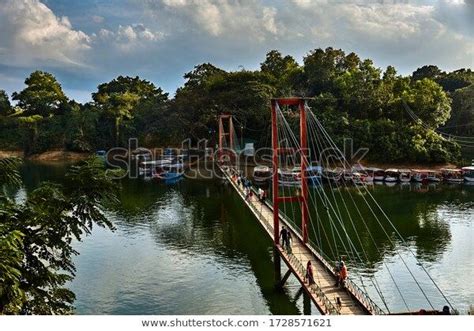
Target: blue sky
[88, 42]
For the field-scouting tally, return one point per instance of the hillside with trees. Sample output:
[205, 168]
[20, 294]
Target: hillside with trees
[352, 97]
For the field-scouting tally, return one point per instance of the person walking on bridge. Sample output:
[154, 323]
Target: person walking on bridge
[342, 276]
[288, 241]
[260, 194]
[283, 236]
[309, 273]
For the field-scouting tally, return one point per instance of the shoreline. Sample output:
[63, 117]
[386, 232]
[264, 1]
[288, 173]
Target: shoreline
[68, 156]
[48, 156]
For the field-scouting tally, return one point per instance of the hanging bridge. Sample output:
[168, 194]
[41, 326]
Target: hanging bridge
[326, 212]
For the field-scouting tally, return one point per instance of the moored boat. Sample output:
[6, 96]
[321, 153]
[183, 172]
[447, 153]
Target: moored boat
[377, 174]
[391, 175]
[420, 176]
[452, 175]
[359, 178]
[148, 167]
[141, 154]
[434, 176]
[262, 175]
[404, 175]
[314, 175]
[347, 175]
[468, 173]
[289, 177]
[170, 171]
[332, 175]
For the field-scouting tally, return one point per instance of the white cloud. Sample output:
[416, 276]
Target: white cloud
[174, 35]
[128, 37]
[31, 33]
[219, 18]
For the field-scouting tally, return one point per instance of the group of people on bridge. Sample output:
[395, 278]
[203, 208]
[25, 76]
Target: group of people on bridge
[246, 185]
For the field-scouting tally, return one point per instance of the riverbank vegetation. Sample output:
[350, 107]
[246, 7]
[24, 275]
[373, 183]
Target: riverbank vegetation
[422, 118]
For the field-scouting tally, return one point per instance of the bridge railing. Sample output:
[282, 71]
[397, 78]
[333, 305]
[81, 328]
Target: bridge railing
[351, 286]
[330, 307]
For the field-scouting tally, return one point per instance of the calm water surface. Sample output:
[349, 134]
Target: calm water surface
[193, 248]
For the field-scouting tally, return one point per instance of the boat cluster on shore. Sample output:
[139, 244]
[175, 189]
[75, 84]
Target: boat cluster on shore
[360, 175]
[169, 167]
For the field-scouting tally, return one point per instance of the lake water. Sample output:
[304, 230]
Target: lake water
[194, 248]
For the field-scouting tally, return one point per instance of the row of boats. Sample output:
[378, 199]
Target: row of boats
[170, 166]
[360, 175]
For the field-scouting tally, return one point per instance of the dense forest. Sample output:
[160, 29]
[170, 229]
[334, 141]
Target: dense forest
[424, 117]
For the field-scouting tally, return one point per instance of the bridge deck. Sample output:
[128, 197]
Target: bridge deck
[324, 294]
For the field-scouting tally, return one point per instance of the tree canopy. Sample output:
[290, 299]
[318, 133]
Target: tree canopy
[353, 97]
[5, 105]
[42, 95]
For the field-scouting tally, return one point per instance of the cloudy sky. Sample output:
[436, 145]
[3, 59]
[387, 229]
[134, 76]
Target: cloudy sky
[88, 42]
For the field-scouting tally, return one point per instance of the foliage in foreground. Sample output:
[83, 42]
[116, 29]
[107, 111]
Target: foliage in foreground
[36, 236]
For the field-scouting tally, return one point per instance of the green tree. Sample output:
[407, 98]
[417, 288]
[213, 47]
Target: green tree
[277, 65]
[428, 71]
[122, 97]
[43, 95]
[37, 236]
[200, 74]
[429, 102]
[5, 105]
[322, 67]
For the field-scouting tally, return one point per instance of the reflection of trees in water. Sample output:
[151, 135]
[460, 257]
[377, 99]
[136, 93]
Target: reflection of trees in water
[433, 234]
[205, 219]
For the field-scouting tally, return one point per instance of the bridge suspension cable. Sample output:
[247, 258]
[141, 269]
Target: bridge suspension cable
[385, 216]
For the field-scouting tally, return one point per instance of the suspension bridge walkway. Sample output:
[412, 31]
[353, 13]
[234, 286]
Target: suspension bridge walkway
[328, 298]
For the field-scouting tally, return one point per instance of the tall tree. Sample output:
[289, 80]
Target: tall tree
[200, 74]
[277, 65]
[43, 95]
[122, 97]
[429, 102]
[322, 67]
[428, 71]
[5, 105]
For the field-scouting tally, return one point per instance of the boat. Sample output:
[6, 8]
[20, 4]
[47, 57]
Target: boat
[169, 154]
[262, 174]
[366, 175]
[314, 175]
[420, 176]
[377, 173]
[404, 175]
[148, 167]
[347, 175]
[169, 172]
[358, 178]
[332, 175]
[452, 175]
[468, 173]
[391, 175]
[434, 176]
[289, 177]
[141, 154]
